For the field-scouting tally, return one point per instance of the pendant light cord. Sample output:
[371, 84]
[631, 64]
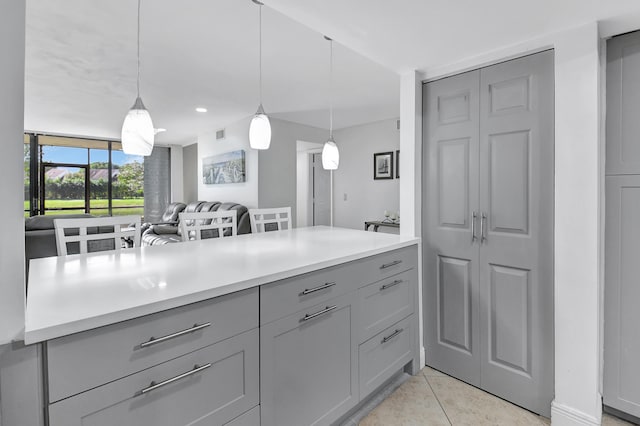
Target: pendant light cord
[260, 54]
[331, 89]
[138, 81]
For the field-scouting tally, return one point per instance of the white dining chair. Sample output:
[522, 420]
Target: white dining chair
[266, 220]
[203, 225]
[92, 234]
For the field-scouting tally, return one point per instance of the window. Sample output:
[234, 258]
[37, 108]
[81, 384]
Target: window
[76, 175]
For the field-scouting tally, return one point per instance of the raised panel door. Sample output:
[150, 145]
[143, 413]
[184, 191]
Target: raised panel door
[516, 254]
[623, 103]
[308, 365]
[450, 205]
[622, 293]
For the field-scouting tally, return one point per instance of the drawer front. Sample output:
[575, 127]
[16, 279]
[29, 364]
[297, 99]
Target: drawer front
[385, 302]
[214, 395]
[250, 418]
[384, 265]
[282, 298]
[384, 354]
[89, 359]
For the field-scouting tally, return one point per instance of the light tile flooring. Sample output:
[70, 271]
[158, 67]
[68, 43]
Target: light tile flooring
[433, 398]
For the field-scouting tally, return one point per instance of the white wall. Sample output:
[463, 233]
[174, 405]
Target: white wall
[277, 165]
[367, 199]
[12, 28]
[236, 137]
[578, 218]
[177, 183]
[190, 176]
[271, 174]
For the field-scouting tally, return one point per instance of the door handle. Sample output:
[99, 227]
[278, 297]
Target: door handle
[483, 228]
[474, 217]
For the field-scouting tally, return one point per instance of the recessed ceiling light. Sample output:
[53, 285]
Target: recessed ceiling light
[201, 109]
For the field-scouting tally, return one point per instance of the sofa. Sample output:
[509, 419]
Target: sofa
[168, 231]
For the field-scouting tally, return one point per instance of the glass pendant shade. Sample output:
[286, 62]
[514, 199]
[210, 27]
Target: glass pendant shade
[137, 131]
[330, 155]
[260, 130]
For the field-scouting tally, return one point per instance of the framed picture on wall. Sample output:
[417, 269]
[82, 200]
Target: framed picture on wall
[383, 165]
[398, 164]
[224, 168]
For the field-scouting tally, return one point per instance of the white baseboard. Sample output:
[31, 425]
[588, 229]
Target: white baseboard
[423, 357]
[563, 415]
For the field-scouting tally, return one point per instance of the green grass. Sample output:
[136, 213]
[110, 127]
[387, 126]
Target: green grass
[98, 207]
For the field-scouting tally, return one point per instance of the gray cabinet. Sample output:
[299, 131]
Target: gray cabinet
[194, 365]
[621, 387]
[385, 354]
[308, 365]
[210, 386]
[488, 157]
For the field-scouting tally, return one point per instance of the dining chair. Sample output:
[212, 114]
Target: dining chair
[202, 225]
[92, 234]
[273, 219]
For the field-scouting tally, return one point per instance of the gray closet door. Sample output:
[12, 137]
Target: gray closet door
[623, 126]
[516, 255]
[621, 388]
[451, 250]
[489, 294]
[622, 293]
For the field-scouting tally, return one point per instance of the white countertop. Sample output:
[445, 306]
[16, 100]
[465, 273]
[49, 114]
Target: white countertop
[69, 294]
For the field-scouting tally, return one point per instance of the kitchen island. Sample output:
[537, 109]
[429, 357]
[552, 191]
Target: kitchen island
[293, 327]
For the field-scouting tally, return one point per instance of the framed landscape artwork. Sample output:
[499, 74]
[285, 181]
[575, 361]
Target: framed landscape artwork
[383, 165]
[224, 168]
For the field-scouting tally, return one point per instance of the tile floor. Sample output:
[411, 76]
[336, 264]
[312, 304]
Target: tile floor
[433, 398]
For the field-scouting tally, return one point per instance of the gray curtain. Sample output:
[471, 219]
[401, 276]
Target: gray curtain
[157, 183]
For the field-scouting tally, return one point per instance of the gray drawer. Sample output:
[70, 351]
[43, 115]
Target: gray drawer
[384, 354]
[214, 395]
[385, 302]
[85, 360]
[384, 265]
[285, 297]
[250, 418]
[282, 298]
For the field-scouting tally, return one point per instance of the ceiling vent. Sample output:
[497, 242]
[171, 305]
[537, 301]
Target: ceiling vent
[220, 134]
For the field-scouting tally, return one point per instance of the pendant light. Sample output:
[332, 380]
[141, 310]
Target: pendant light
[260, 127]
[330, 153]
[137, 129]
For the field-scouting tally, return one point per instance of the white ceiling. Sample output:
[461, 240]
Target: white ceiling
[80, 56]
[80, 76]
[405, 35]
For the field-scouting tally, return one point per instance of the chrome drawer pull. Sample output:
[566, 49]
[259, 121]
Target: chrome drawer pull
[328, 309]
[313, 290]
[153, 341]
[386, 286]
[392, 335]
[389, 265]
[154, 385]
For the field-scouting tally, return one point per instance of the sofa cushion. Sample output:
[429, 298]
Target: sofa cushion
[38, 223]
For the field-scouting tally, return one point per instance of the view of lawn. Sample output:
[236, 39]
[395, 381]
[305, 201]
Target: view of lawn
[128, 206]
